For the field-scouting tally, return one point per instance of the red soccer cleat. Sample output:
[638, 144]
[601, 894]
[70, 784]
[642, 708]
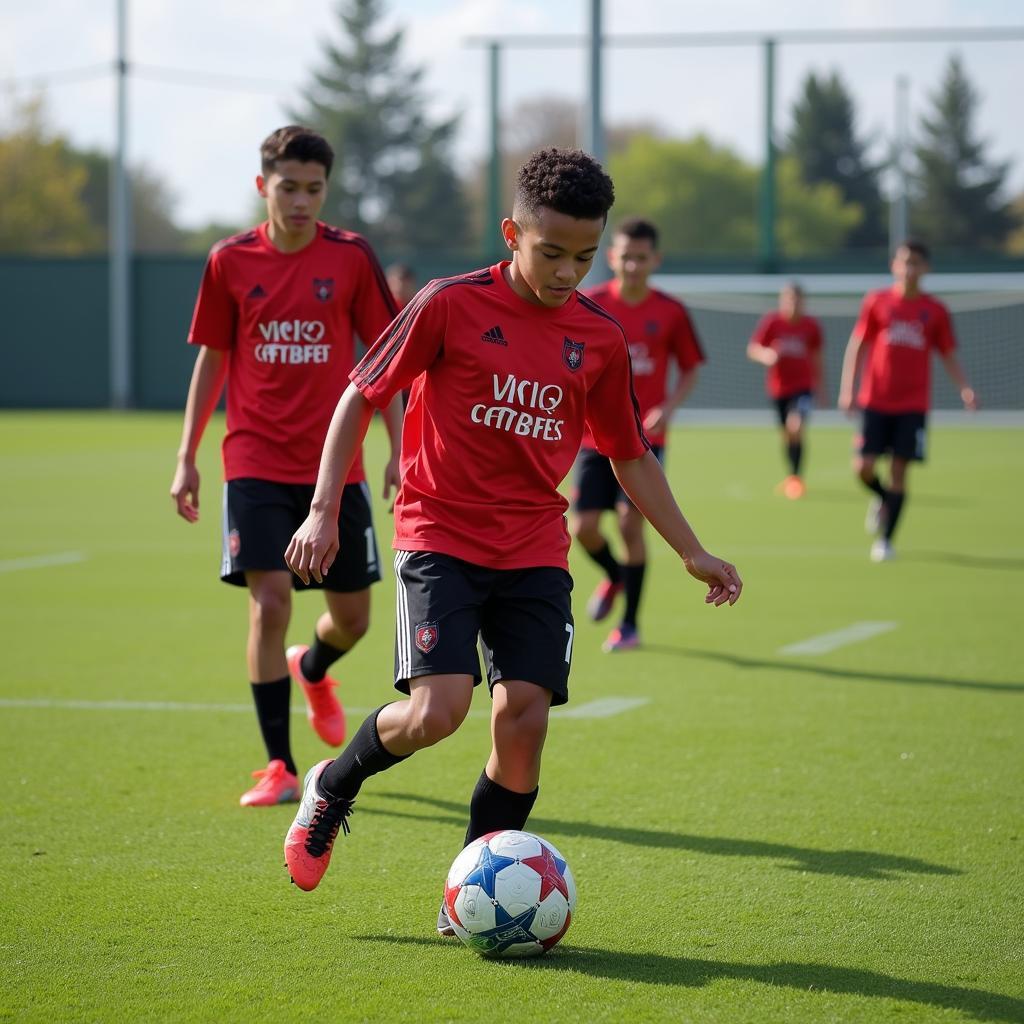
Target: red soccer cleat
[623, 638]
[308, 844]
[602, 599]
[323, 709]
[277, 785]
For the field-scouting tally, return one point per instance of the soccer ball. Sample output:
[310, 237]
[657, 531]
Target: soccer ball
[510, 894]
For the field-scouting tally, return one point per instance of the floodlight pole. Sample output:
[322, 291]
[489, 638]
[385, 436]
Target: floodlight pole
[767, 207]
[899, 226]
[492, 246]
[594, 140]
[119, 229]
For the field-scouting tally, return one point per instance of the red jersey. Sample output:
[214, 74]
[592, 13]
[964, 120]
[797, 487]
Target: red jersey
[795, 342]
[288, 322]
[899, 334]
[500, 391]
[656, 329]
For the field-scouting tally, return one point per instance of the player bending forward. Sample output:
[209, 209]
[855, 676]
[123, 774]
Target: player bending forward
[505, 364]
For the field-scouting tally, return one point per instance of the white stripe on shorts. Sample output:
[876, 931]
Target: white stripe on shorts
[402, 630]
[225, 552]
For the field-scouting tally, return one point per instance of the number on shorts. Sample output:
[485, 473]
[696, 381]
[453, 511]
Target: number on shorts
[568, 643]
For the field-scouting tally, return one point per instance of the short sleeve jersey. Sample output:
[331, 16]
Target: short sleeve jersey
[795, 342]
[900, 334]
[287, 322]
[658, 330]
[500, 390]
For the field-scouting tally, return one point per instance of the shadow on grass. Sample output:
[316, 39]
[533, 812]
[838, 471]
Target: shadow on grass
[856, 496]
[658, 969]
[739, 661]
[965, 560]
[849, 863]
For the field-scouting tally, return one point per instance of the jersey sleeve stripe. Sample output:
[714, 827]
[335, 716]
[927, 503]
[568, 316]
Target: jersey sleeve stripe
[376, 361]
[593, 307]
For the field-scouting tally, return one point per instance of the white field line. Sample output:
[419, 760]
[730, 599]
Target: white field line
[840, 638]
[42, 561]
[603, 708]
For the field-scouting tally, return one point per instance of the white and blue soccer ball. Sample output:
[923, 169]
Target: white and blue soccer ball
[510, 894]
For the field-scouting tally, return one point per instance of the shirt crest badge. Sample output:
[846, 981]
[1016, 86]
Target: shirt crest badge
[572, 354]
[323, 288]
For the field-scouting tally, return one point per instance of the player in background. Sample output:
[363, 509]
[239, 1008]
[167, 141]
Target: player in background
[890, 347]
[275, 317]
[788, 342]
[402, 282]
[658, 332]
[505, 365]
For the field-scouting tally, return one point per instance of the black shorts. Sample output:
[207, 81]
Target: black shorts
[802, 402]
[595, 486]
[902, 434]
[522, 617]
[260, 517]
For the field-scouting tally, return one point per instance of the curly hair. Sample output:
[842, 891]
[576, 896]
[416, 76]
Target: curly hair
[565, 180]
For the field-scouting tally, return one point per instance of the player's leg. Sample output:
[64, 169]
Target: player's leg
[347, 593]
[873, 442]
[908, 445]
[796, 412]
[257, 523]
[631, 527]
[594, 492]
[438, 619]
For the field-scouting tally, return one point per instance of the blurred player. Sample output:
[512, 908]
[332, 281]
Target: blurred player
[788, 342]
[505, 363]
[891, 348]
[275, 318]
[402, 282]
[658, 330]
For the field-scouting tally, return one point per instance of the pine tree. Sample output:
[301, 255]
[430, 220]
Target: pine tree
[393, 179]
[824, 142]
[958, 194]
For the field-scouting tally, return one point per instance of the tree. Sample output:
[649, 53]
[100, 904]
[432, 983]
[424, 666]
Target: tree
[43, 210]
[393, 178]
[823, 141]
[703, 197]
[957, 192]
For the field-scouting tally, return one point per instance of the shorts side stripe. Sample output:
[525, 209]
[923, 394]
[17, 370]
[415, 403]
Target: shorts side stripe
[225, 551]
[402, 631]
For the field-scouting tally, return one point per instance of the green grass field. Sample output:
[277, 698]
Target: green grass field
[769, 837]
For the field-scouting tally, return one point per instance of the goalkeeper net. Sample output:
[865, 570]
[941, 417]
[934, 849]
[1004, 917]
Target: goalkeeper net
[987, 311]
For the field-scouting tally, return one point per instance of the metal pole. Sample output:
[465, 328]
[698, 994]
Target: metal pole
[119, 225]
[594, 141]
[899, 226]
[492, 245]
[767, 207]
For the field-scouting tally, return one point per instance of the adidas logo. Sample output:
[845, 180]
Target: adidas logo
[494, 336]
[257, 293]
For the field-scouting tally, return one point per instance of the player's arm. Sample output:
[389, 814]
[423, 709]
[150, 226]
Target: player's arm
[852, 360]
[644, 481]
[959, 378]
[203, 394]
[393, 416]
[763, 354]
[313, 548]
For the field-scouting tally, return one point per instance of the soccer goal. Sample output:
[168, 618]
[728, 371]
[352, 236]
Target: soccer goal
[987, 310]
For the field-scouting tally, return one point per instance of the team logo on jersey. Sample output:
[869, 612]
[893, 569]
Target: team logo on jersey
[572, 354]
[234, 543]
[257, 293]
[323, 288]
[494, 336]
[426, 636]
[651, 326]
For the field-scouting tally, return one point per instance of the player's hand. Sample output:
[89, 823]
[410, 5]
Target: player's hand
[723, 581]
[185, 491]
[313, 547]
[969, 398]
[845, 401]
[657, 419]
[392, 481]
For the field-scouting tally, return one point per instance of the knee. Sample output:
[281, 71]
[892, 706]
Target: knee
[864, 469]
[587, 533]
[353, 624]
[429, 723]
[270, 611]
[525, 730]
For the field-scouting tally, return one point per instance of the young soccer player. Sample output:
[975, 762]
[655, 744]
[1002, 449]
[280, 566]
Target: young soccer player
[788, 342]
[402, 282]
[891, 348]
[658, 331]
[505, 364]
[275, 318]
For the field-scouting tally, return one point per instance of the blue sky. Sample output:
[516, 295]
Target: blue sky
[203, 138]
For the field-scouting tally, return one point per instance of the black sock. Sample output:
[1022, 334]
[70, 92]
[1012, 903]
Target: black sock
[633, 578]
[893, 508]
[874, 484]
[606, 560]
[273, 710]
[795, 452]
[318, 659]
[364, 756]
[493, 807]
